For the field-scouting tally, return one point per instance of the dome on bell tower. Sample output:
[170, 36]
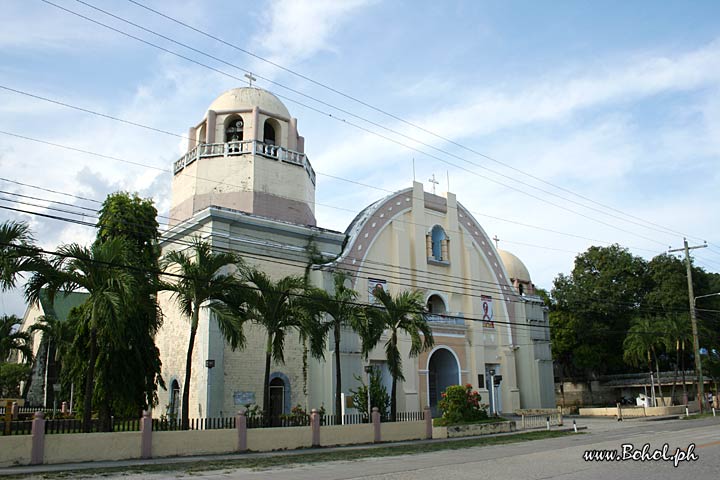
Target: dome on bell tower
[247, 98]
[245, 154]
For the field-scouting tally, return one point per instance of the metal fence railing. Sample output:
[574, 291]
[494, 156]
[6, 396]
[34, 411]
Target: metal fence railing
[75, 425]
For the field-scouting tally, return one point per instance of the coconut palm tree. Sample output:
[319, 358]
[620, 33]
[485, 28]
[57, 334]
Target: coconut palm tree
[677, 334]
[400, 314]
[100, 271]
[640, 342]
[202, 278]
[342, 311]
[13, 340]
[279, 307]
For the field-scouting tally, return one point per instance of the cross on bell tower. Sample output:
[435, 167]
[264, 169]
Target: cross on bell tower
[497, 242]
[250, 78]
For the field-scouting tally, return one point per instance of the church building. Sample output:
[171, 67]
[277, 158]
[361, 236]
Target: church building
[246, 184]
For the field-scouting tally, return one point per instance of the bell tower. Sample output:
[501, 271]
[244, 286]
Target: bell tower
[245, 154]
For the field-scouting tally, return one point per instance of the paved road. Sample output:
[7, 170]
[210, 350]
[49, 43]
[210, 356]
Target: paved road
[558, 458]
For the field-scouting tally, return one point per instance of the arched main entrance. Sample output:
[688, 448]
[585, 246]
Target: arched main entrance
[443, 371]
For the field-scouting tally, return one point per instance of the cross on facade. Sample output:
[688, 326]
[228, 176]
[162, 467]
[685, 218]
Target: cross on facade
[434, 182]
[497, 241]
[250, 78]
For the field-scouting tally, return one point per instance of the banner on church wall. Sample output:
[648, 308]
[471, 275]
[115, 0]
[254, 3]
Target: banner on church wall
[373, 285]
[487, 311]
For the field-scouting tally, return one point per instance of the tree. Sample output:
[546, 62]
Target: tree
[202, 279]
[677, 334]
[342, 311]
[136, 378]
[640, 342]
[13, 340]
[403, 313]
[279, 307]
[378, 395]
[17, 252]
[592, 309]
[101, 271]
[57, 337]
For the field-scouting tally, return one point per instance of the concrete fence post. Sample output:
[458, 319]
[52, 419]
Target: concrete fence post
[37, 453]
[15, 411]
[428, 422]
[241, 425]
[377, 437]
[146, 435]
[524, 426]
[315, 424]
[560, 419]
[64, 407]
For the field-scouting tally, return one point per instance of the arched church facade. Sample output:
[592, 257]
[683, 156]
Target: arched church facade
[247, 185]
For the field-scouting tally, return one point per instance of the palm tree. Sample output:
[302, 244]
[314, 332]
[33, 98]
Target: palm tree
[202, 279]
[13, 340]
[57, 336]
[17, 253]
[677, 334]
[100, 271]
[640, 342]
[279, 307]
[342, 310]
[404, 313]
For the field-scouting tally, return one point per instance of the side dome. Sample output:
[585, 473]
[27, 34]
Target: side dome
[514, 266]
[247, 98]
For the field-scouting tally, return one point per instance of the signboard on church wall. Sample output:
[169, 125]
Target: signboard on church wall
[487, 311]
[373, 285]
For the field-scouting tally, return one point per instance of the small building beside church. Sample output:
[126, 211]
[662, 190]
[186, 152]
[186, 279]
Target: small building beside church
[247, 185]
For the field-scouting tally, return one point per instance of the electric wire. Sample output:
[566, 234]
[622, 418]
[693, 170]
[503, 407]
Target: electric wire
[358, 126]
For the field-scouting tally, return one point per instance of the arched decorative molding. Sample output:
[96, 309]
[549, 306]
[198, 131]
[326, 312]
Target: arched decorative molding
[427, 369]
[495, 264]
[367, 227]
[449, 349]
[287, 399]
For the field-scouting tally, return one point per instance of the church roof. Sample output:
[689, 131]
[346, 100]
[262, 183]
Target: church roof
[514, 266]
[64, 302]
[249, 97]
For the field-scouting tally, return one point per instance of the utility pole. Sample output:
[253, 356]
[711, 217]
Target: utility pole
[693, 321]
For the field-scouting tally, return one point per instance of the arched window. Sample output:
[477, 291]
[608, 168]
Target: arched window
[436, 305]
[438, 244]
[269, 133]
[234, 130]
[202, 134]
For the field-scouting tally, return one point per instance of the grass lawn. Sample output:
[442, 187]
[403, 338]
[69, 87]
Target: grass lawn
[315, 457]
[440, 422]
[698, 416]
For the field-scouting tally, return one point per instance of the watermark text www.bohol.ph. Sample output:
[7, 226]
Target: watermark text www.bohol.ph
[628, 452]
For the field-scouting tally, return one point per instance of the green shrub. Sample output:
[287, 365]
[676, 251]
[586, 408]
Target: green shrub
[378, 394]
[461, 404]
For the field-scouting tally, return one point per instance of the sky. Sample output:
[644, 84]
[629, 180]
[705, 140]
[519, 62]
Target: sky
[559, 125]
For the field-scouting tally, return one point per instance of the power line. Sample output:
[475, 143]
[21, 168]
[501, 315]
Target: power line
[392, 279]
[353, 124]
[375, 108]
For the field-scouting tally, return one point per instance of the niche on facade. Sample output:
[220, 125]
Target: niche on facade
[436, 305]
[437, 245]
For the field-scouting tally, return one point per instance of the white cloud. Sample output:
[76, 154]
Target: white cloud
[298, 29]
